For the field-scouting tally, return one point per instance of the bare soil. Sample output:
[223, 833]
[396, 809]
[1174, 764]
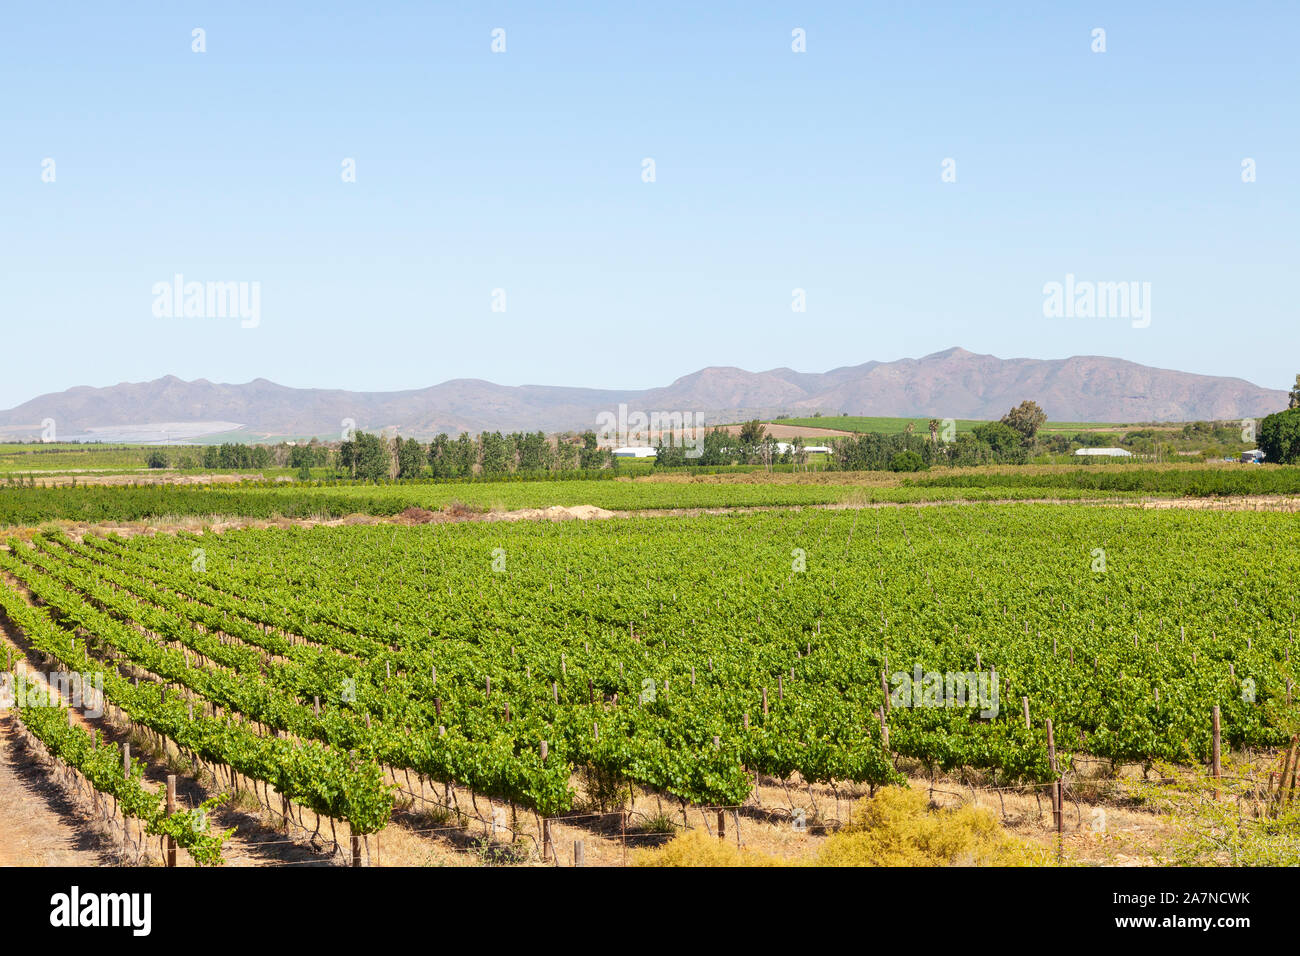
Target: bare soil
[39, 824]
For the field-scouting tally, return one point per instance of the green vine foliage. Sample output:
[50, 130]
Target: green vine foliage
[101, 765]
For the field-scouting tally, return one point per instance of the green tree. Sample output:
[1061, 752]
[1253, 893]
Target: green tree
[669, 454]
[719, 448]
[440, 456]
[751, 433]
[566, 454]
[1295, 395]
[1026, 418]
[1001, 437]
[495, 453]
[365, 457]
[410, 458]
[591, 457]
[1279, 437]
[464, 456]
[534, 451]
[798, 455]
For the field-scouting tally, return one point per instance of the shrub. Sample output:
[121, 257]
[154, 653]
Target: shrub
[906, 461]
[897, 828]
[698, 848]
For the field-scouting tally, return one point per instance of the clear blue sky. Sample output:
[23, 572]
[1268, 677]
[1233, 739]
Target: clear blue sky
[522, 171]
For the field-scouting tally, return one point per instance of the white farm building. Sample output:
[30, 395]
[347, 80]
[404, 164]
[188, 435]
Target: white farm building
[1105, 452]
[784, 446]
[633, 452]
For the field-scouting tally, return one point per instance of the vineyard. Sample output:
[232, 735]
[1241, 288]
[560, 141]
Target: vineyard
[522, 662]
[26, 506]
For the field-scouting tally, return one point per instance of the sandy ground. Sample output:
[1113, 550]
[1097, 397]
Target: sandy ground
[39, 824]
[1101, 827]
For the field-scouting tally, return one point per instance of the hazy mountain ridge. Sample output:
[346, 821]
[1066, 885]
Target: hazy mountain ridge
[949, 384]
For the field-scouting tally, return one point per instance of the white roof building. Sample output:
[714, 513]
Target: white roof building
[1105, 452]
[785, 446]
[634, 452]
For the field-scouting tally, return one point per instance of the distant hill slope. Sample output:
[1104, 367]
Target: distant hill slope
[949, 384]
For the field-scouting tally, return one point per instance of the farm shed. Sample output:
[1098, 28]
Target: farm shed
[1105, 452]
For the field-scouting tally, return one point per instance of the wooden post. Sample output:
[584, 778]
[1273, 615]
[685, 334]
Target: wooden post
[1216, 763]
[356, 850]
[1058, 798]
[546, 824]
[1024, 705]
[171, 808]
[884, 686]
[579, 854]
[126, 773]
[1288, 769]
[315, 702]
[722, 824]
[1051, 745]
[764, 701]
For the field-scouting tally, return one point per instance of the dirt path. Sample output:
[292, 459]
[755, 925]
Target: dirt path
[38, 825]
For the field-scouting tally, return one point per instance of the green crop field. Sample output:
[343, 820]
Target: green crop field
[25, 506]
[542, 665]
[66, 457]
[681, 656]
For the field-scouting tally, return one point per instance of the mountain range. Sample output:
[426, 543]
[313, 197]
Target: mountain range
[953, 383]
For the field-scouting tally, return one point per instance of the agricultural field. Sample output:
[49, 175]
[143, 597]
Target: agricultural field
[541, 667]
[30, 506]
[72, 457]
[921, 426]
